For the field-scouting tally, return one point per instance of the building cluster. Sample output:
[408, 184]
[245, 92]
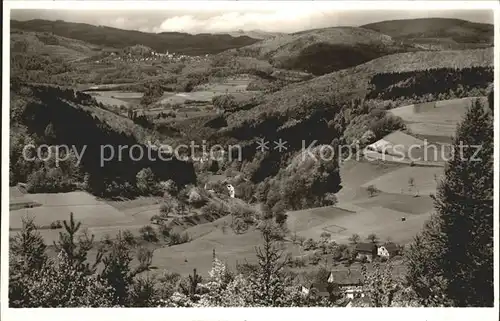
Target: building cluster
[150, 57]
[350, 282]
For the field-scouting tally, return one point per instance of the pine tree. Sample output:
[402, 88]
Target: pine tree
[117, 271]
[77, 246]
[269, 281]
[27, 256]
[454, 253]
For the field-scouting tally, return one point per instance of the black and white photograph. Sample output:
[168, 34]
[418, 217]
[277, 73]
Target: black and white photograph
[249, 154]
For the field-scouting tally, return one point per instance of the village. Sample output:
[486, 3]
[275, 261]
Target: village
[144, 55]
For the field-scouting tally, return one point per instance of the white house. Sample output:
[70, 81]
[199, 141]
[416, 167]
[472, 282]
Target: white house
[230, 188]
[387, 250]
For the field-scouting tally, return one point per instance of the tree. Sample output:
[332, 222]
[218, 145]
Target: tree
[411, 184]
[224, 102]
[372, 238]
[269, 280]
[462, 227]
[129, 237]
[190, 286]
[384, 290]
[117, 272]
[50, 133]
[148, 233]
[325, 240]
[146, 181]
[67, 280]
[354, 239]
[372, 190]
[280, 213]
[76, 247]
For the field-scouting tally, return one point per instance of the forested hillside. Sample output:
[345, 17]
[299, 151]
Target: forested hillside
[182, 43]
[49, 115]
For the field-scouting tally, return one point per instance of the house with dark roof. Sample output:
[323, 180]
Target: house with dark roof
[368, 250]
[318, 289]
[388, 250]
[346, 282]
[349, 282]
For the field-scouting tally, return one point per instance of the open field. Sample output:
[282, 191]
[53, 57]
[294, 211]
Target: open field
[397, 182]
[354, 174]
[435, 121]
[341, 224]
[230, 85]
[197, 254]
[180, 98]
[358, 212]
[117, 98]
[398, 202]
[97, 216]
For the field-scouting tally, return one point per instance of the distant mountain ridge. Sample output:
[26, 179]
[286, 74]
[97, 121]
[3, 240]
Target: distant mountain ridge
[182, 43]
[255, 34]
[460, 31]
[321, 51]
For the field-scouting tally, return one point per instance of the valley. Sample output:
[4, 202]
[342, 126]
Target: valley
[386, 100]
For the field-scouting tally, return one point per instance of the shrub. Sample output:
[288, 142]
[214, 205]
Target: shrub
[337, 253]
[244, 212]
[310, 244]
[239, 226]
[178, 238]
[107, 239]
[315, 258]
[215, 209]
[166, 209]
[148, 233]
[129, 237]
[55, 225]
[196, 198]
[372, 190]
[146, 182]
[164, 231]
[156, 219]
[297, 262]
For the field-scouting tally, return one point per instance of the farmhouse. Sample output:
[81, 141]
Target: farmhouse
[347, 282]
[388, 250]
[368, 250]
[317, 289]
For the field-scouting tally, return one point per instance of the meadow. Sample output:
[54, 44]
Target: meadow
[435, 121]
[97, 216]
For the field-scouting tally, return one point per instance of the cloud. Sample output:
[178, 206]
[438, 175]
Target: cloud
[264, 17]
[283, 20]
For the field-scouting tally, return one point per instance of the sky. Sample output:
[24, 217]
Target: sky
[215, 20]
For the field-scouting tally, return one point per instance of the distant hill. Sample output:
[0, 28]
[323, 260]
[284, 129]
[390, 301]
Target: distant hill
[47, 44]
[181, 43]
[352, 83]
[322, 51]
[437, 30]
[255, 34]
